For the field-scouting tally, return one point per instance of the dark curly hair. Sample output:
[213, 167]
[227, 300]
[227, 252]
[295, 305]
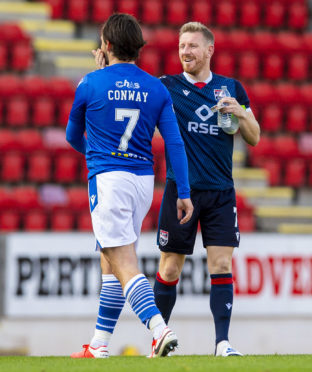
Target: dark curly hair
[124, 33]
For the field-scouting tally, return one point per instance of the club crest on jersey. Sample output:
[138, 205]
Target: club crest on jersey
[163, 237]
[217, 93]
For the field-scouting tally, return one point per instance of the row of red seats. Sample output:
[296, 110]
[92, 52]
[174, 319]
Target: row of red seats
[41, 167]
[35, 86]
[21, 111]
[274, 118]
[22, 209]
[283, 147]
[294, 173]
[17, 57]
[273, 66]
[276, 14]
[242, 65]
[238, 40]
[39, 220]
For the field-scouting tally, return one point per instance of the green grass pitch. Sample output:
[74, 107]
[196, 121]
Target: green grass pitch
[190, 363]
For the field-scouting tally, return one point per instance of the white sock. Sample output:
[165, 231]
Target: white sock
[100, 338]
[157, 325]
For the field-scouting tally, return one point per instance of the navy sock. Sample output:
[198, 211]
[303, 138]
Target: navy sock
[221, 301]
[165, 296]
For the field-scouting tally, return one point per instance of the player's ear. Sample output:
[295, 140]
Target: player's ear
[210, 50]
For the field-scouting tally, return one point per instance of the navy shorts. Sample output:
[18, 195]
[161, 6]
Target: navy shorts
[214, 210]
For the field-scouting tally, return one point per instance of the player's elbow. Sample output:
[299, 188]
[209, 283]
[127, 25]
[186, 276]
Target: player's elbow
[254, 140]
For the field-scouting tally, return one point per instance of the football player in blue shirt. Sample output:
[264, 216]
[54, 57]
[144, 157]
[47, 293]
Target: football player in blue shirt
[119, 107]
[209, 151]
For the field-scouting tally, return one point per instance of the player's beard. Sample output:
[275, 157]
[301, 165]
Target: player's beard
[193, 67]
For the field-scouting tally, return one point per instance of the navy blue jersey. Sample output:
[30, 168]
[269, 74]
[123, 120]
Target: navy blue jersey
[119, 107]
[209, 149]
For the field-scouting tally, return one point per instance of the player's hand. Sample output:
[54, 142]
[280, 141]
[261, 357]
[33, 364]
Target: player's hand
[99, 58]
[185, 205]
[230, 105]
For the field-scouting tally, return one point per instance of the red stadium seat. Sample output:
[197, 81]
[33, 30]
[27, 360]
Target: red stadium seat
[272, 118]
[10, 85]
[57, 7]
[298, 16]
[157, 199]
[128, 6]
[298, 67]
[84, 222]
[43, 112]
[36, 220]
[9, 221]
[248, 66]
[3, 57]
[177, 12]
[304, 94]
[8, 140]
[35, 86]
[273, 168]
[225, 13]
[246, 221]
[152, 12]
[274, 14]
[295, 173]
[287, 93]
[165, 39]
[310, 175]
[201, 11]
[263, 149]
[63, 112]
[250, 13]
[289, 42]
[11, 33]
[149, 222]
[62, 220]
[273, 67]
[12, 167]
[239, 40]
[61, 88]
[17, 112]
[286, 147]
[150, 61]
[29, 140]
[21, 56]
[224, 63]
[26, 197]
[66, 168]
[77, 10]
[172, 63]
[83, 171]
[261, 93]
[78, 198]
[263, 42]
[39, 167]
[101, 10]
[297, 119]
[6, 198]
[158, 146]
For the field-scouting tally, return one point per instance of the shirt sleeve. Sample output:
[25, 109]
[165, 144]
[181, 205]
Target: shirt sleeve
[76, 123]
[170, 132]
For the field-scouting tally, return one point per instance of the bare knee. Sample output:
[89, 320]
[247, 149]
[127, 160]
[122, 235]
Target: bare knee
[170, 266]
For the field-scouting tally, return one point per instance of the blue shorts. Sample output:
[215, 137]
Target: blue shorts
[214, 210]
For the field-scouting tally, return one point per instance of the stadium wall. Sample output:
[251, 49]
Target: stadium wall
[51, 282]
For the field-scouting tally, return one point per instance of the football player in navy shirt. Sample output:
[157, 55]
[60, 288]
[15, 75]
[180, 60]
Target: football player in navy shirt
[119, 107]
[209, 151]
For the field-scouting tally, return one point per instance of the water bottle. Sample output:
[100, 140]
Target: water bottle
[228, 122]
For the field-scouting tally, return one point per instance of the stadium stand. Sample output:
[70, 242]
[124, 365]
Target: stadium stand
[45, 50]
